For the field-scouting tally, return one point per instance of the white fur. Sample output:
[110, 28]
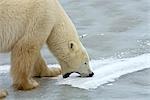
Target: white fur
[25, 26]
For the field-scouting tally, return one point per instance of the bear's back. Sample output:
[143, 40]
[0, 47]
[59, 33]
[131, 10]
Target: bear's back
[15, 17]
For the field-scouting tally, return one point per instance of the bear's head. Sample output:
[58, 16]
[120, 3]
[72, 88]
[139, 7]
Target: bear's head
[76, 60]
[66, 46]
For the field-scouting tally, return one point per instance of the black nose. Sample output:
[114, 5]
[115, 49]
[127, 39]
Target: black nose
[91, 74]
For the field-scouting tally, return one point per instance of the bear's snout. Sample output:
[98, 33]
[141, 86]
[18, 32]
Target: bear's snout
[91, 74]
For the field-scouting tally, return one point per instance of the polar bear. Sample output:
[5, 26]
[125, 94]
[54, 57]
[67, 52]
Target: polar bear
[25, 26]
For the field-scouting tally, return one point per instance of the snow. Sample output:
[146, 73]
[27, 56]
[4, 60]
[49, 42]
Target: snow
[107, 71]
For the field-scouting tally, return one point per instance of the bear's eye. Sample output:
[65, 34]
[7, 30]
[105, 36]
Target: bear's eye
[71, 45]
[85, 63]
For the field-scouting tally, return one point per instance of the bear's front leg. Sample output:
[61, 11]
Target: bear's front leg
[23, 57]
[41, 69]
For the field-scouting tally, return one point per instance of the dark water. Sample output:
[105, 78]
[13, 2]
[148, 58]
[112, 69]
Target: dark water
[108, 28]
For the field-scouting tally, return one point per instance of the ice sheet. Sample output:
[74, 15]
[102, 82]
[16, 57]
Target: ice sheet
[108, 70]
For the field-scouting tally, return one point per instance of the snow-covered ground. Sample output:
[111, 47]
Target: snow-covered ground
[108, 70]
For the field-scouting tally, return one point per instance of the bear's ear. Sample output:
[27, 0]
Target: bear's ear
[73, 46]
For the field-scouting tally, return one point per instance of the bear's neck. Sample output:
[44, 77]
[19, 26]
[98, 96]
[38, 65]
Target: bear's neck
[63, 32]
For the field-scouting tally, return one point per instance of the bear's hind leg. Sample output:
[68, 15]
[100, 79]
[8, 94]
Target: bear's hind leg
[3, 93]
[23, 57]
[42, 70]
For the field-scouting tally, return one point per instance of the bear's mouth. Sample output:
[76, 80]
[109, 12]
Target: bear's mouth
[68, 74]
[81, 74]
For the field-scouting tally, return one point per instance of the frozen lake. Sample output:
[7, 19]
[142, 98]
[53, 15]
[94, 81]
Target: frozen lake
[116, 34]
